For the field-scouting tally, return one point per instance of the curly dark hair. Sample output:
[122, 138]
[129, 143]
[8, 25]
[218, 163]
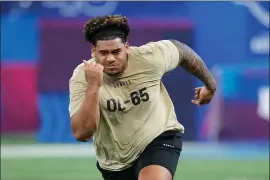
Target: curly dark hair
[106, 27]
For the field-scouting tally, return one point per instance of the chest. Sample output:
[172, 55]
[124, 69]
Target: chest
[124, 94]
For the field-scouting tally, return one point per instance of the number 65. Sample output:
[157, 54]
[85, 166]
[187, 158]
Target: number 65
[138, 96]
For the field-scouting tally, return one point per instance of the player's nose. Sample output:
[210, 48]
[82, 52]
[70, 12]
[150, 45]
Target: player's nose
[110, 58]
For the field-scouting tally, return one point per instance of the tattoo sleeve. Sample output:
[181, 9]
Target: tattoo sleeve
[191, 62]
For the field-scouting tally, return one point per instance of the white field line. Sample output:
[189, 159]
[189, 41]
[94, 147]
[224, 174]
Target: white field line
[191, 150]
[66, 150]
[43, 151]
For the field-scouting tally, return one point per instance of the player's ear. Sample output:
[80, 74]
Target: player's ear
[127, 47]
[93, 53]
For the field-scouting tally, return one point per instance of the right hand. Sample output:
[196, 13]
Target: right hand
[93, 73]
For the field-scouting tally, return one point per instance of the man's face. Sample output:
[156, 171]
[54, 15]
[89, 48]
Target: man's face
[112, 54]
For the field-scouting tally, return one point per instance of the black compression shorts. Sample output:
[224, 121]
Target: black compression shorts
[163, 151]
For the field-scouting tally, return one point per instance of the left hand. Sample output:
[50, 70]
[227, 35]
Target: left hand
[203, 96]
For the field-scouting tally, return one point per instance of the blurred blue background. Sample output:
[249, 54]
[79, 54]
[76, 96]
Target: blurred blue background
[42, 42]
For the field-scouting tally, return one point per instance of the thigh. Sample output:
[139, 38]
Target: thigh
[117, 175]
[163, 151]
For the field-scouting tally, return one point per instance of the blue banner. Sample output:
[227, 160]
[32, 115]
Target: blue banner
[225, 31]
[257, 28]
[97, 8]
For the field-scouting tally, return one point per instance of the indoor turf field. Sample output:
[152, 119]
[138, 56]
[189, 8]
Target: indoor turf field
[84, 169]
[199, 161]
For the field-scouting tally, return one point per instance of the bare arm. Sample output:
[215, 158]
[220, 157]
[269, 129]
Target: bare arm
[86, 120]
[191, 62]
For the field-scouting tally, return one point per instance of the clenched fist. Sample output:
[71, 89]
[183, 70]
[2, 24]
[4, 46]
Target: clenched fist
[93, 73]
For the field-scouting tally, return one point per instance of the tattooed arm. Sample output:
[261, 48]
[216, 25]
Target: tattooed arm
[191, 62]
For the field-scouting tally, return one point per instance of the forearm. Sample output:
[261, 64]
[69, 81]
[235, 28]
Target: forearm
[86, 120]
[192, 63]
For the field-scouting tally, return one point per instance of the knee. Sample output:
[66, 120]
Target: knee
[154, 172]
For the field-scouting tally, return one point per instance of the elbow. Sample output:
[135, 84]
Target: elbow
[83, 137]
[83, 134]
[82, 131]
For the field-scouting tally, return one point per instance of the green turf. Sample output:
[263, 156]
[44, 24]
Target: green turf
[84, 169]
[7, 139]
